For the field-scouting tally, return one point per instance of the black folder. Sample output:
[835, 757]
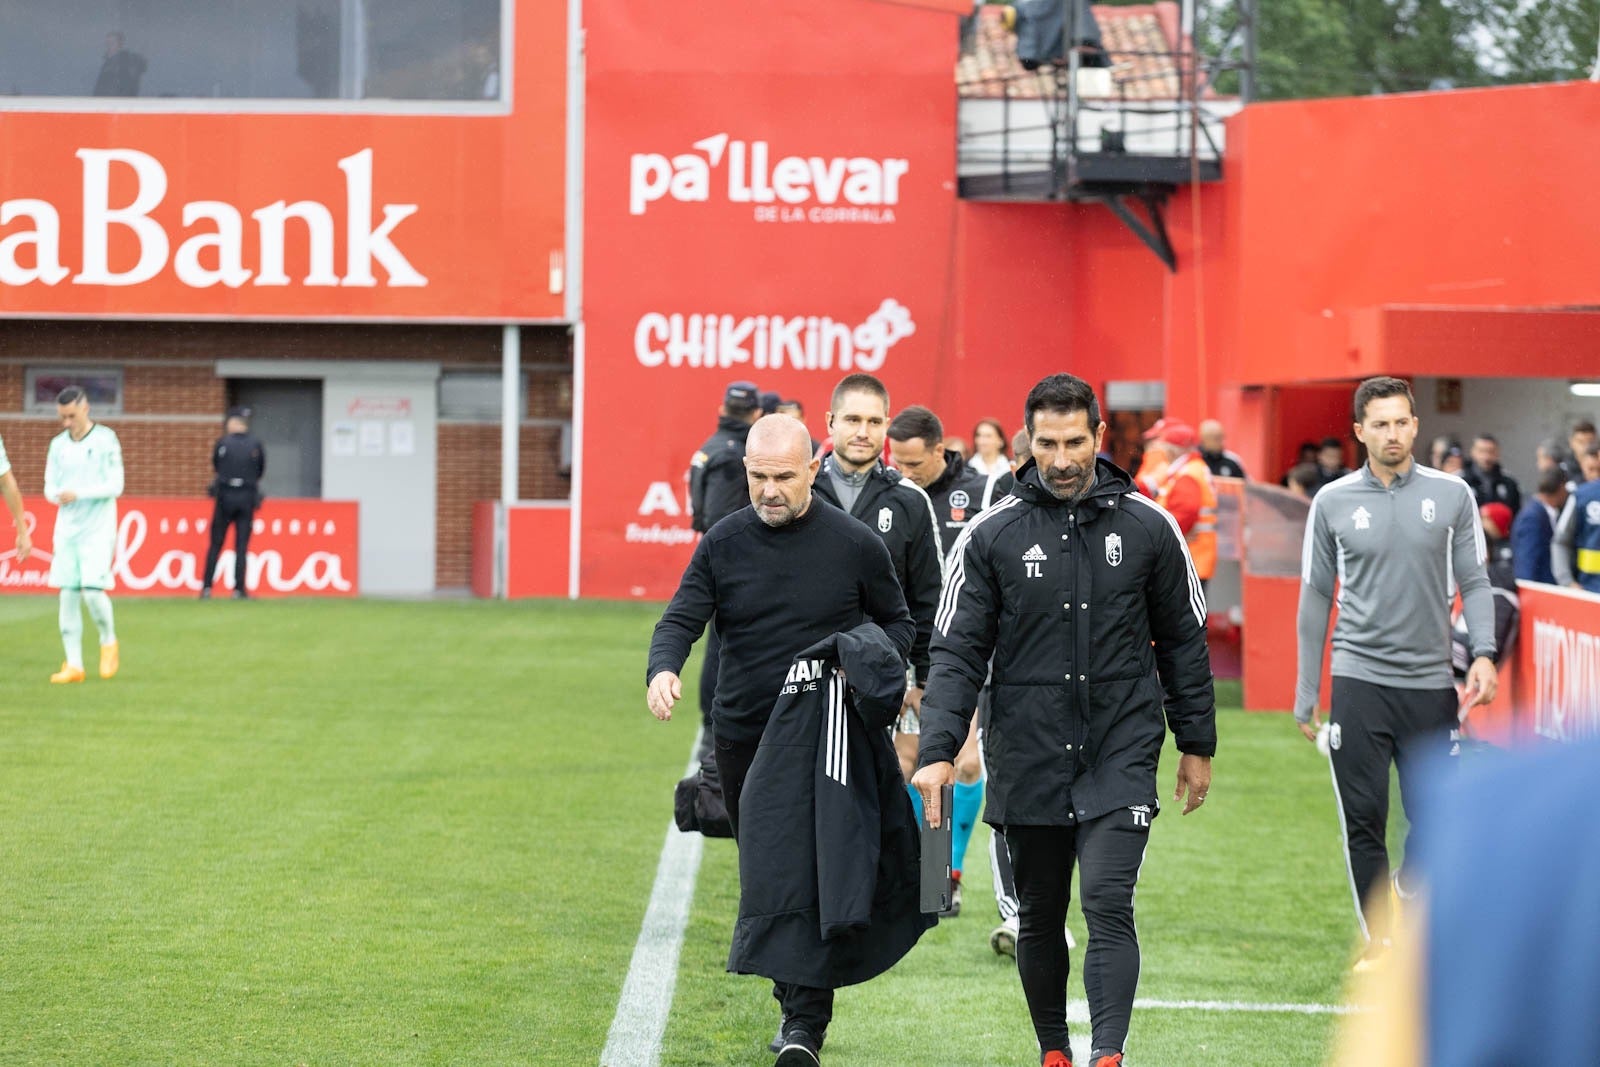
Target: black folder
[937, 886]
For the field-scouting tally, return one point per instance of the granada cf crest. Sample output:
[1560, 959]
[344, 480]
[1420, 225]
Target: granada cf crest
[1113, 549]
[1427, 509]
[885, 520]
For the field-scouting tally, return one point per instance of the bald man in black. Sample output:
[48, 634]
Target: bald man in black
[775, 578]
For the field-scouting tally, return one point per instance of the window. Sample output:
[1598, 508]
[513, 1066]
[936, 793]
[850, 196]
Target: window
[103, 384]
[474, 396]
[254, 49]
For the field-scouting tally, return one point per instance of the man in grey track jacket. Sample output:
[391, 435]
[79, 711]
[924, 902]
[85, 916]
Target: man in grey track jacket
[1399, 538]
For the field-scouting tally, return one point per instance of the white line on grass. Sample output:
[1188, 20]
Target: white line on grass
[641, 1018]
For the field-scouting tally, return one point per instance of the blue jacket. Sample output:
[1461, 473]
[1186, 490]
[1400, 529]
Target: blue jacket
[1513, 869]
[1530, 543]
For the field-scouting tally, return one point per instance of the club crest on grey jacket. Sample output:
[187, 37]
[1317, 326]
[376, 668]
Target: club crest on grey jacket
[898, 511]
[1095, 619]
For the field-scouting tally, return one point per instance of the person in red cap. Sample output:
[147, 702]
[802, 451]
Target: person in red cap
[1497, 519]
[1184, 488]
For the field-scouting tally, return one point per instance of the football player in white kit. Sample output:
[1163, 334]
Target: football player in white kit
[83, 478]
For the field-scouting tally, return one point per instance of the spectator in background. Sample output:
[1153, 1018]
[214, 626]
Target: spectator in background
[120, 71]
[1185, 490]
[1496, 519]
[1490, 483]
[1330, 461]
[1551, 455]
[1575, 550]
[769, 403]
[958, 446]
[1580, 438]
[1437, 449]
[795, 410]
[1589, 465]
[989, 448]
[482, 76]
[1534, 528]
[1002, 484]
[1303, 480]
[1454, 462]
[1222, 463]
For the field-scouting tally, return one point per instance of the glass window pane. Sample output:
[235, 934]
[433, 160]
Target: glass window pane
[103, 386]
[253, 49]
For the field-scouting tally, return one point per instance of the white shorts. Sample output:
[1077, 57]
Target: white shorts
[84, 561]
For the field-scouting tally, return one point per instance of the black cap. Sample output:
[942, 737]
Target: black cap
[239, 413]
[741, 396]
[770, 402]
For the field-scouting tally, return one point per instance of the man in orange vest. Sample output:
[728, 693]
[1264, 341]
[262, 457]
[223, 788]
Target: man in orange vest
[1185, 490]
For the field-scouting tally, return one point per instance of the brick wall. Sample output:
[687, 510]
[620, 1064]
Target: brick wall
[176, 401]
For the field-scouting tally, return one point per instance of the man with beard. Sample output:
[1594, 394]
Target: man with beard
[775, 579]
[1083, 592]
[1399, 539]
[1488, 480]
[854, 479]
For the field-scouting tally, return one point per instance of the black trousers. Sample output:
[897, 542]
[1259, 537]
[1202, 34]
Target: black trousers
[1108, 851]
[236, 508]
[1370, 726]
[1005, 883]
[802, 1005]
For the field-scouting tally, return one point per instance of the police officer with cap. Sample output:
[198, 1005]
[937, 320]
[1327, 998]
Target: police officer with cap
[239, 460]
[716, 490]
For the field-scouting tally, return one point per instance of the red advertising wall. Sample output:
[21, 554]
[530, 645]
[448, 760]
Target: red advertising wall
[1342, 208]
[297, 548]
[769, 195]
[1556, 688]
[1549, 684]
[141, 214]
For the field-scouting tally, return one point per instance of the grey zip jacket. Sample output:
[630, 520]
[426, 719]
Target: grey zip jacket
[1398, 553]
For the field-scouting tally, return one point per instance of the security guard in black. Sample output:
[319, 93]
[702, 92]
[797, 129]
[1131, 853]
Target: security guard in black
[239, 460]
[716, 472]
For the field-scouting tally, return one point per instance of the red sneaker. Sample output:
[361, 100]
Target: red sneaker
[1113, 1060]
[1054, 1058]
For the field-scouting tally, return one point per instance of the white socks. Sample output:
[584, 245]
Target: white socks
[72, 601]
[72, 626]
[100, 611]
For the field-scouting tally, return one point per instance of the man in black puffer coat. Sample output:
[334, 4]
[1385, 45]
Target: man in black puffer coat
[1083, 592]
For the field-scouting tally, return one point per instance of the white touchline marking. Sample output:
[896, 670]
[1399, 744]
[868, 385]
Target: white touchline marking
[1078, 1010]
[641, 1018]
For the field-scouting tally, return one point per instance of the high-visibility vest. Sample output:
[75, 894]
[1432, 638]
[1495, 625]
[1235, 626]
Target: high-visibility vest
[1202, 536]
[1587, 535]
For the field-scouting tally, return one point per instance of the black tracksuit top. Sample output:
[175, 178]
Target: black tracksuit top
[773, 591]
[895, 508]
[1096, 624]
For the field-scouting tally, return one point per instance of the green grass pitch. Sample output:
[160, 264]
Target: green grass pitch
[425, 833]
